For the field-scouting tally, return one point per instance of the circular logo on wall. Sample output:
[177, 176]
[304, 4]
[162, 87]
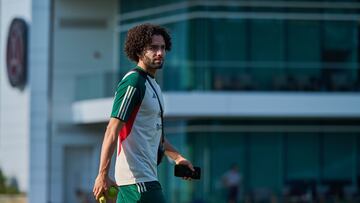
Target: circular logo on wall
[16, 53]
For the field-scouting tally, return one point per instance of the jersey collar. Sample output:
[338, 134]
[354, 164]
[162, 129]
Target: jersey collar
[142, 70]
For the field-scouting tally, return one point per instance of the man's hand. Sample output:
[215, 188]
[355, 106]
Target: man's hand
[182, 161]
[171, 152]
[102, 184]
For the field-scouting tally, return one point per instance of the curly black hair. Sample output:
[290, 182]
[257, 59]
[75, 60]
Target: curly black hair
[140, 36]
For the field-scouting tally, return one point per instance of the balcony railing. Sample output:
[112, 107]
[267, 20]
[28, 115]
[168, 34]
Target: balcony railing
[332, 77]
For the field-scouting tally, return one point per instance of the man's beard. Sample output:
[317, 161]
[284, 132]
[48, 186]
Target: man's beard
[151, 64]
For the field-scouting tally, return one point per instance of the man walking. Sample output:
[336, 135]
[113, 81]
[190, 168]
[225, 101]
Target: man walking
[136, 123]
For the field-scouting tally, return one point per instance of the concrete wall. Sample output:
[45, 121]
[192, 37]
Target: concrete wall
[84, 44]
[14, 103]
[77, 44]
[40, 63]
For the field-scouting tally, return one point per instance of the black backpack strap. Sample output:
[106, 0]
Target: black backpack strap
[144, 74]
[161, 150]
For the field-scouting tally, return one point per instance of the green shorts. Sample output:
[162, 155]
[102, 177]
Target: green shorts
[147, 192]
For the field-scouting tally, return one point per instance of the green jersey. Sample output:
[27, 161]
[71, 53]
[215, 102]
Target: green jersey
[136, 104]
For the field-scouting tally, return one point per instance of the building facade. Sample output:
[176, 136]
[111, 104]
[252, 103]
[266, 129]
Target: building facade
[270, 85]
[14, 104]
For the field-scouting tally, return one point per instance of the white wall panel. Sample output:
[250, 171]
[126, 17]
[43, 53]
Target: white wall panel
[14, 103]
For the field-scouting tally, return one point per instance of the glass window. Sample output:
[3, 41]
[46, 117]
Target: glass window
[266, 49]
[239, 52]
[265, 161]
[340, 51]
[176, 73]
[303, 55]
[228, 54]
[302, 156]
[339, 152]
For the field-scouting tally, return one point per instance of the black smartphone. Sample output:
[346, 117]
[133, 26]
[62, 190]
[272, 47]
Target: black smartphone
[184, 171]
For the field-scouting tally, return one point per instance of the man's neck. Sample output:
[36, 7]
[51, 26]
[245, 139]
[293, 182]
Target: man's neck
[151, 71]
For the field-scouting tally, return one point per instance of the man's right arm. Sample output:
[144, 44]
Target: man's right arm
[130, 91]
[103, 182]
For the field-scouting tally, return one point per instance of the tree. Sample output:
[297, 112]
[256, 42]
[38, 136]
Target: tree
[5, 188]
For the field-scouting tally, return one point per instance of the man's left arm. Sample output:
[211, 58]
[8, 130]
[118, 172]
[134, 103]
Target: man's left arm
[173, 154]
